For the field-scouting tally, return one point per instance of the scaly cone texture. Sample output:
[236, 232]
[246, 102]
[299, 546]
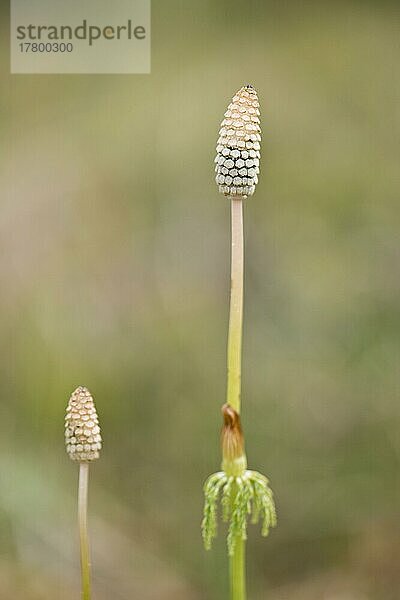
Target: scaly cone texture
[82, 431]
[238, 147]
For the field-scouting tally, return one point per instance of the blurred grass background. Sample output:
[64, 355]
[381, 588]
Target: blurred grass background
[114, 275]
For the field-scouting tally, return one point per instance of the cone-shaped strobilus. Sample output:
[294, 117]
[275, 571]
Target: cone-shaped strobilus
[83, 444]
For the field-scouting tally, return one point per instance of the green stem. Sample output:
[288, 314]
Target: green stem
[236, 306]
[83, 529]
[237, 571]
[237, 561]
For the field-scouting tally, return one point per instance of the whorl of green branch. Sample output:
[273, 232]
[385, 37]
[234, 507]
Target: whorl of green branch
[241, 498]
[243, 493]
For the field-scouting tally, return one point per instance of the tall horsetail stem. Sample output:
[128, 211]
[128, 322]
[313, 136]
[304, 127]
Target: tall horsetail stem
[83, 444]
[243, 492]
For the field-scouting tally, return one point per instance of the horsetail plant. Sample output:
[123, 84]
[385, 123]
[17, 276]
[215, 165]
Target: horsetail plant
[83, 444]
[243, 492]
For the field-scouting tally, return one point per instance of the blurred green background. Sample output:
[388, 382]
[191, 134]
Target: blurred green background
[114, 274]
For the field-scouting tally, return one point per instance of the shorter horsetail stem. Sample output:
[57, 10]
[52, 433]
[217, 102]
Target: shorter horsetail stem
[83, 444]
